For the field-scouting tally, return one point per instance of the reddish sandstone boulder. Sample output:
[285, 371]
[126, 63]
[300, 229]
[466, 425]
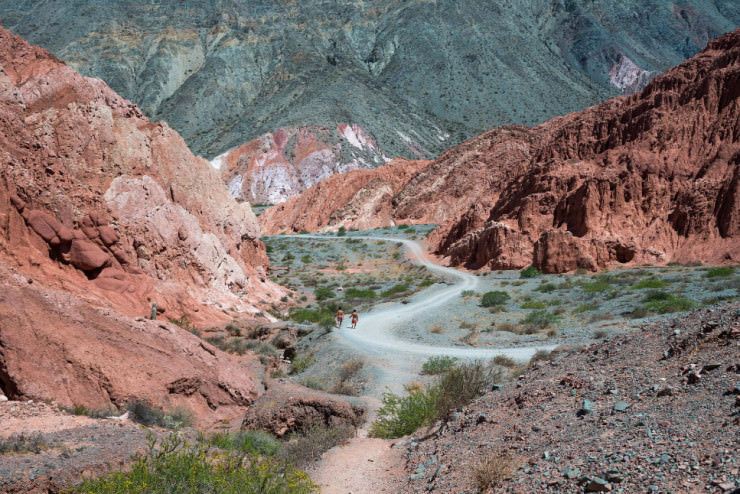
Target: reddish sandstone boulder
[85, 255]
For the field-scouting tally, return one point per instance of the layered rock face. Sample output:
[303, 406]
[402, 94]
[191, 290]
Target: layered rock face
[282, 164]
[418, 75]
[103, 212]
[647, 178]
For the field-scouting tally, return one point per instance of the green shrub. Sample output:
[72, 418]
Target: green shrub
[323, 293]
[649, 283]
[720, 272]
[467, 293]
[177, 466]
[453, 389]
[539, 319]
[598, 286]
[301, 363]
[497, 297]
[426, 283]
[531, 304]
[438, 364]
[673, 303]
[399, 415]
[637, 313]
[233, 330]
[396, 289]
[23, 443]
[254, 442]
[358, 293]
[530, 272]
[546, 288]
[341, 232]
[324, 316]
[145, 414]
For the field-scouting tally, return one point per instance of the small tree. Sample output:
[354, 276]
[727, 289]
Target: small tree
[498, 297]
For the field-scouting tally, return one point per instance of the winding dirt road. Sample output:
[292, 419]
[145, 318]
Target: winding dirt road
[400, 360]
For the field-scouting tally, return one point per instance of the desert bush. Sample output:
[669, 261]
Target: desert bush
[358, 293]
[96, 413]
[178, 466]
[233, 330]
[145, 414]
[585, 308]
[341, 232]
[600, 334]
[277, 373]
[438, 364]
[314, 383]
[490, 471]
[350, 369]
[301, 363]
[395, 290]
[467, 293]
[467, 325]
[530, 272]
[254, 442]
[672, 303]
[504, 361]
[720, 272]
[637, 313]
[600, 316]
[539, 319]
[541, 355]
[399, 415]
[306, 446]
[649, 283]
[598, 286]
[459, 385]
[510, 327]
[546, 287]
[184, 322]
[497, 297]
[532, 304]
[436, 328]
[323, 316]
[323, 293]
[426, 283]
[23, 443]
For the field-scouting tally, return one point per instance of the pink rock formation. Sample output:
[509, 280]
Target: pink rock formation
[101, 213]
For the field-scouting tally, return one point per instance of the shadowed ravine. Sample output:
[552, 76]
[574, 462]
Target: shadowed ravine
[397, 360]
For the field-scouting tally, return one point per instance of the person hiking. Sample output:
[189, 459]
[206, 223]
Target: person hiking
[355, 317]
[340, 316]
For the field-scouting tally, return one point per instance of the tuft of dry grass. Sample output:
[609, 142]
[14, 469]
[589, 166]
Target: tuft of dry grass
[491, 470]
[436, 329]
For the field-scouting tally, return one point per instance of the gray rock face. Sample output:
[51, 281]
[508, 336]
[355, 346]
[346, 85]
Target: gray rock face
[418, 75]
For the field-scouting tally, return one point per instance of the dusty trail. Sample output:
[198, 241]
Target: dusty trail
[369, 466]
[399, 360]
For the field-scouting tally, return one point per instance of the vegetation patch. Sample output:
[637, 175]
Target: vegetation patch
[539, 319]
[530, 272]
[178, 466]
[145, 414]
[438, 364]
[720, 272]
[359, 293]
[649, 283]
[491, 470]
[497, 297]
[661, 302]
[395, 290]
[585, 308]
[23, 443]
[532, 304]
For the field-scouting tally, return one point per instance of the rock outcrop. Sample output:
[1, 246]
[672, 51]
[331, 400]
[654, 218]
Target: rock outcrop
[286, 407]
[652, 177]
[282, 164]
[103, 212]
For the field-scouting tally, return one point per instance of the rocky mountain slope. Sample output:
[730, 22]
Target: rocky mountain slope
[103, 212]
[653, 177]
[654, 410]
[417, 76]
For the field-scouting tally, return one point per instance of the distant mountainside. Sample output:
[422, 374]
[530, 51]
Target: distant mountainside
[652, 177]
[417, 76]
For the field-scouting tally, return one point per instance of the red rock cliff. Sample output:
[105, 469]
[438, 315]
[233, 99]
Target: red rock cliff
[653, 177]
[101, 212]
